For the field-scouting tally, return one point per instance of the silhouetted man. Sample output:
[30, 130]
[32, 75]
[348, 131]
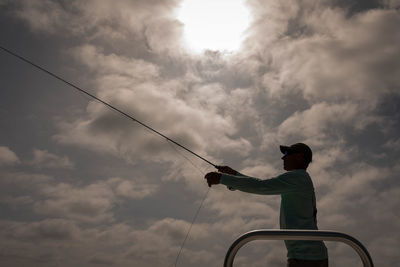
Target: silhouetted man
[298, 208]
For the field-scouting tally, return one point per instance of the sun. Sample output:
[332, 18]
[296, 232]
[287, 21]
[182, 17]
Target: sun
[214, 24]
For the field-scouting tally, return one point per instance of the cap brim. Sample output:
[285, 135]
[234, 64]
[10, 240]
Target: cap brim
[284, 149]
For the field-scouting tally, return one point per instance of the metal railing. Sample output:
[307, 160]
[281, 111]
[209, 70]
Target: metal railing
[265, 234]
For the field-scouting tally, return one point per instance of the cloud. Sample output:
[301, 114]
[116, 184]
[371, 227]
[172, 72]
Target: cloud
[188, 121]
[392, 3]
[248, 209]
[137, 70]
[120, 244]
[152, 23]
[48, 229]
[323, 73]
[92, 203]
[315, 124]
[24, 180]
[45, 159]
[320, 64]
[33, 13]
[14, 202]
[19, 189]
[393, 144]
[8, 157]
[131, 189]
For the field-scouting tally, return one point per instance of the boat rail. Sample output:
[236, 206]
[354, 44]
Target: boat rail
[267, 234]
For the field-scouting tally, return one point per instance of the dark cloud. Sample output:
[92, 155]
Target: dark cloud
[354, 7]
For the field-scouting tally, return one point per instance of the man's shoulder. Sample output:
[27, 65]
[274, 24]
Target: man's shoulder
[298, 176]
[295, 173]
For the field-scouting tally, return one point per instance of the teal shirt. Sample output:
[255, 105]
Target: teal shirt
[298, 208]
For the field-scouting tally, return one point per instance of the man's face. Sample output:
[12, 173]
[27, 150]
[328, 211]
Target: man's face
[293, 161]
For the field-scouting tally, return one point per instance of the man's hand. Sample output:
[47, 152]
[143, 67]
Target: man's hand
[213, 178]
[227, 170]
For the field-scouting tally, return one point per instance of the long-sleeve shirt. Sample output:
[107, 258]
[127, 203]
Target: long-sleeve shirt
[297, 211]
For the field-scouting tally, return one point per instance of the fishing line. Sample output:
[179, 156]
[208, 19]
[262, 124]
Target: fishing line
[182, 155]
[169, 140]
[103, 102]
[190, 228]
[198, 209]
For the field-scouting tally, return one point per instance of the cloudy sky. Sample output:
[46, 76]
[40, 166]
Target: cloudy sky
[81, 185]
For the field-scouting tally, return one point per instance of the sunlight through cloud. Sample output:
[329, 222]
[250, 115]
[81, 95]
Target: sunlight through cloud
[214, 24]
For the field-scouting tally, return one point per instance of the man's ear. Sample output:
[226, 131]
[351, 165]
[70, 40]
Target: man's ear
[300, 158]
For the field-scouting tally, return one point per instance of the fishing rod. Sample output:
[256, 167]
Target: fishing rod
[104, 102]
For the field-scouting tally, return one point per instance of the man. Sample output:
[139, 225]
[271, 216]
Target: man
[298, 208]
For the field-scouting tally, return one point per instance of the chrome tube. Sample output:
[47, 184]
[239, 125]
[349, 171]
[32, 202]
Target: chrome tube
[265, 234]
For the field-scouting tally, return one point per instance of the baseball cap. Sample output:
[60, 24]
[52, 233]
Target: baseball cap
[298, 148]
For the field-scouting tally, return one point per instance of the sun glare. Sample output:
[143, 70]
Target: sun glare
[214, 24]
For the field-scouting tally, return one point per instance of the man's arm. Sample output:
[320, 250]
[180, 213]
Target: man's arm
[284, 183]
[214, 177]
